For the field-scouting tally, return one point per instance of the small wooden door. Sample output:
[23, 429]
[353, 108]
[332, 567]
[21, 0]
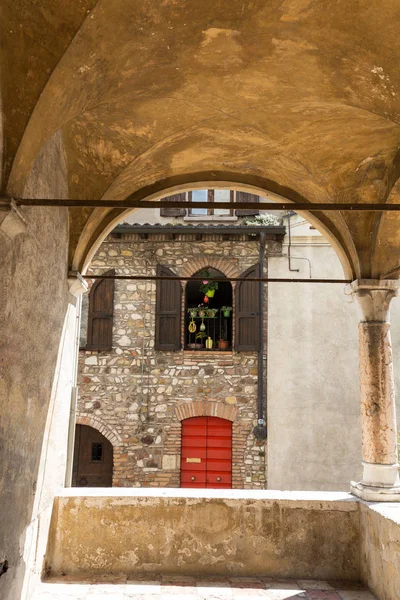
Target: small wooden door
[206, 455]
[93, 459]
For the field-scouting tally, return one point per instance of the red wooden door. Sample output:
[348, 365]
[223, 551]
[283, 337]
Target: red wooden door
[206, 456]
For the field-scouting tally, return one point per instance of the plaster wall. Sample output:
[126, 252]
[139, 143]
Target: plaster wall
[32, 311]
[204, 532]
[313, 385]
[313, 394]
[37, 322]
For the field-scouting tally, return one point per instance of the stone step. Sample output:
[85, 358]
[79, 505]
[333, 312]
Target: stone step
[211, 588]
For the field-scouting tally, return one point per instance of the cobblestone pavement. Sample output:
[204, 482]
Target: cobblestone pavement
[213, 588]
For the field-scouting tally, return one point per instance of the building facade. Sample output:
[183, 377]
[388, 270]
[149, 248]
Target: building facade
[138, 396]
[153, 374]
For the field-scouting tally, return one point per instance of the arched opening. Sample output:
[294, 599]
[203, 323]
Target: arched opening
[103, 220]
[206, 453]
[93, 458]
[208, 314]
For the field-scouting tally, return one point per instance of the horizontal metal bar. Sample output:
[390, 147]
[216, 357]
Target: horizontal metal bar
[199, 279]
[271, 206]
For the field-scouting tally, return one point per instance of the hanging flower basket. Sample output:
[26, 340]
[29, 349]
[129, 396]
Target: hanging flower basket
[208, 287]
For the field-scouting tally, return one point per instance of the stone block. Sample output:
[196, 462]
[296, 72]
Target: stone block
[170, 462]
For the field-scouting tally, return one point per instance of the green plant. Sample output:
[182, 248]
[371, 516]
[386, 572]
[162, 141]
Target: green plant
[201, 335]
[207, 285]
[260, 220]
[226, 310]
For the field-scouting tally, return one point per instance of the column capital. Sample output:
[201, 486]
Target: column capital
[77, 285]
[374, 297]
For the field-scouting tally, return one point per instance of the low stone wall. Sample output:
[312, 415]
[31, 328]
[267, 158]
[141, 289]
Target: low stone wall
[380, 548]
[303, 535]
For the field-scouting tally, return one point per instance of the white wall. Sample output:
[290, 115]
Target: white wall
[313, 396]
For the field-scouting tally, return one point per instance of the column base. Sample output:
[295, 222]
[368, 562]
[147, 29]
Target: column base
[372, 493]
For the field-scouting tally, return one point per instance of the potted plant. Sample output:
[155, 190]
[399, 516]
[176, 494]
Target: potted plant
[211, 312]
[208, 287]
[226, 311]
[200, 336]
[223, 344]
[193, 312]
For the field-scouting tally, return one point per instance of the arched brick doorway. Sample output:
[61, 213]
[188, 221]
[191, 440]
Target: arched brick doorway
[206, 454]
[93, 458]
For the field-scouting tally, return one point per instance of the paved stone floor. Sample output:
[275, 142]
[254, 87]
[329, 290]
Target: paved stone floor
[213, 588]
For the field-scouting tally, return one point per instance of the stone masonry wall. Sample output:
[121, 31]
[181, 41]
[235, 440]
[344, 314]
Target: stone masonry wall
[141, 395]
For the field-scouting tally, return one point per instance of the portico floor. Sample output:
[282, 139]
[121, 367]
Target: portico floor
[211, 588]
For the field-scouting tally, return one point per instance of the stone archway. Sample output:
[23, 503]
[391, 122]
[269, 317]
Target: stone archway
[96, 423]
[206, 408]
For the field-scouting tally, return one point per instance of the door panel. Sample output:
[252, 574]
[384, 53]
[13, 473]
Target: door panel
[206, 455]
[93, 458]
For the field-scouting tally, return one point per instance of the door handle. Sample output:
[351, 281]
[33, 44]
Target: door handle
[219, 479]
[193, 479]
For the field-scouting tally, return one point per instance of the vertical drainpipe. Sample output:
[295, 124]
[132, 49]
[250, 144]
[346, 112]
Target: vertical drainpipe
[260, 430]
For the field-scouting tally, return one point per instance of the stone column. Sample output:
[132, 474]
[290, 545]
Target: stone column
[378, 411]
[77, 287]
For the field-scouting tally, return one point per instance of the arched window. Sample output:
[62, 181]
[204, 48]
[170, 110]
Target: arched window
[208, 316]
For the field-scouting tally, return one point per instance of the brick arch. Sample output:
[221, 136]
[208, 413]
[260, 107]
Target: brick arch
[96, 423]
[227, 267]
[205, 408]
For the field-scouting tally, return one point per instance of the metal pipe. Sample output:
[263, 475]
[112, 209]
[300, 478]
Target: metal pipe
[289, 250]
[179, 278]
[260, 398]
[5, 203]
[290, 245]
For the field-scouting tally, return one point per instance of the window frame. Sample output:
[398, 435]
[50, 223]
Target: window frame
[211, 200]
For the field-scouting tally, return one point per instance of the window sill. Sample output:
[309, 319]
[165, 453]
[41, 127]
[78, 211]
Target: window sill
[210, 218]
[202, 352]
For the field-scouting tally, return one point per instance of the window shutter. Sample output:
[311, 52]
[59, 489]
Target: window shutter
[168, 312]
[101, 310]
[174, 212]
[245, 197]
[247, 312]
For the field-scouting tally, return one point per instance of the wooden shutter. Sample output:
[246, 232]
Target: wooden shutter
[100, 318]
[168, 312]
[245, 197]
[247, 313]
[174, 212]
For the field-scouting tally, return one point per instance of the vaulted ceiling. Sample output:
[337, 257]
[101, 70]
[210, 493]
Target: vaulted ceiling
[114, 98]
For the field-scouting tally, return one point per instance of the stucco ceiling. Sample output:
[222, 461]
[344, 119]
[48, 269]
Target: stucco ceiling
[295, 95]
